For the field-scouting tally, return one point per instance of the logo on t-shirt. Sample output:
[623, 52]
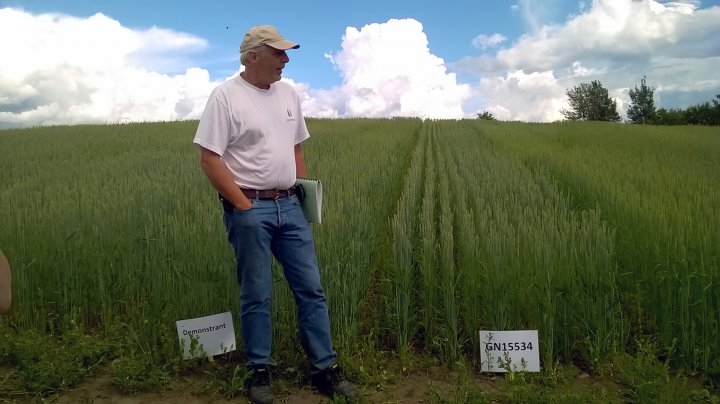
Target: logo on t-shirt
[290, 116]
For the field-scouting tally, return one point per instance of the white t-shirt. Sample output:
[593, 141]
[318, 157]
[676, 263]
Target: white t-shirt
[254, 131]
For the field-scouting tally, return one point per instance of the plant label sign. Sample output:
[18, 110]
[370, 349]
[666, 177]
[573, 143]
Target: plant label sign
[206, 336]
[505, 351]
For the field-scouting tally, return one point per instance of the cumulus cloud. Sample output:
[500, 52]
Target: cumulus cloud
[388, 70]
[538, 96]
[616, 42]
[483, 41]
[58, 69]
[111, 73]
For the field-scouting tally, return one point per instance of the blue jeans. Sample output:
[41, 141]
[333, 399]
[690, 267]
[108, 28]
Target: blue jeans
[278, 226]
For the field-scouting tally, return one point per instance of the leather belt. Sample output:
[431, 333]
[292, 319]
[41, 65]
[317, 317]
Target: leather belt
[268, 193]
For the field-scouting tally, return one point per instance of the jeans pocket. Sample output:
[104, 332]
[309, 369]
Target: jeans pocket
[252, 202]
[230, 208]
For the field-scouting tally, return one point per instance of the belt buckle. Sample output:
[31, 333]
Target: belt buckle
[277, 194]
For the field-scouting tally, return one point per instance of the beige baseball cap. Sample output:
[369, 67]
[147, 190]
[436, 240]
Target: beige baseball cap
[265, 35]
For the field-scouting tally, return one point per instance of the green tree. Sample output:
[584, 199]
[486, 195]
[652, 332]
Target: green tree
[700, 114]
[705, 113]
[669, 117]
[642, 106]
[486, 116]
[591, 102]
[716, 110]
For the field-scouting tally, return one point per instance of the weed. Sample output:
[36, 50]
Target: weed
[645, 378]
[61, 363]
[136, 373]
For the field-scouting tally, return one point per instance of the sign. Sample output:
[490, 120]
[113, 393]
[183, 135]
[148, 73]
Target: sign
[206, 336]
[505, 351]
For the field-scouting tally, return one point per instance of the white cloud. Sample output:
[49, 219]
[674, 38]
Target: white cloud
[388, 70]
[537, 13]
[684, 7]
[537, 96]
[578, 70]
[59, 69]
[617, 42]
[483, 41]
[318, 103]
[112, 73]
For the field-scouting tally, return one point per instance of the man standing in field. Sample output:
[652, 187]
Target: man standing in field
[249, 138]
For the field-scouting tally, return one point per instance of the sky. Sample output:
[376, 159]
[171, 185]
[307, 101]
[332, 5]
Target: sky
[103, 61]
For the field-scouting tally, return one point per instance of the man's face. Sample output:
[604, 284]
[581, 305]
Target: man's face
[270, 63]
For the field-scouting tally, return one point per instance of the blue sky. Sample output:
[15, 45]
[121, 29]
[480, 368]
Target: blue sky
[318, 26]
[108, 61]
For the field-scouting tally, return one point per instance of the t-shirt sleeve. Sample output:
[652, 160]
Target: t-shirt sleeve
[214, 128]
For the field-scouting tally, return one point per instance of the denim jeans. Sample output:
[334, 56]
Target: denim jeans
[278, 226]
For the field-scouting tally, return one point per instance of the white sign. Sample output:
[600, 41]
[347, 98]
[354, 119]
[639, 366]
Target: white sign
[213, 335]
[505, 351]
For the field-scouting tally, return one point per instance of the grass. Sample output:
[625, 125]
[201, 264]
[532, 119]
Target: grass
[596, 235]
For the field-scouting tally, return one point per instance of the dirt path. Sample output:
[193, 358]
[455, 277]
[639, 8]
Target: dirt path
[432, 384]
[413, 388]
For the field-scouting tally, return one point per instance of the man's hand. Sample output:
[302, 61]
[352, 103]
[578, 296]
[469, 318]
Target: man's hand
[220, 177]
[245, 207]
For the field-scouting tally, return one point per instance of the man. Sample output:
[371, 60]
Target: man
[249, 138]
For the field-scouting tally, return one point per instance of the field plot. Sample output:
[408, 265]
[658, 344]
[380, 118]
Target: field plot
[604, 237]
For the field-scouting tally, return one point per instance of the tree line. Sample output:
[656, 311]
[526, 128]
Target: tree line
[592, 102]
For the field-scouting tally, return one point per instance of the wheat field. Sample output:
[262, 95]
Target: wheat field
[594, 234]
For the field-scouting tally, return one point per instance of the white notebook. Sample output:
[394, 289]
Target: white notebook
[312, 199]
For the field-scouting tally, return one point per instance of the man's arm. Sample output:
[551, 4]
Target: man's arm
[220, 177]
[5, 284]
[300, 169]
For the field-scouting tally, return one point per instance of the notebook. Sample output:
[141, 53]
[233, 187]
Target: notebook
[311, 198]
